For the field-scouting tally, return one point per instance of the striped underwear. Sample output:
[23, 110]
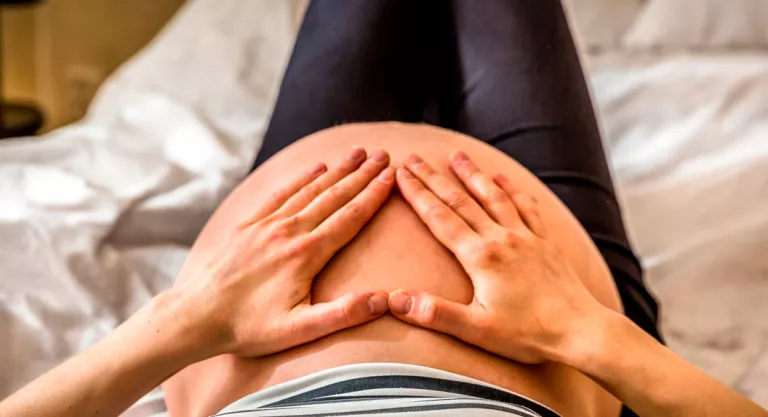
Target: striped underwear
[385, 388]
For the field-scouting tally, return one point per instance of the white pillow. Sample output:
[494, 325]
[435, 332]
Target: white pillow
[675, 24]
[601, 24]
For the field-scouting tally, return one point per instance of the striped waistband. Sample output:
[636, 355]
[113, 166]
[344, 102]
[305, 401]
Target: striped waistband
[385, 388]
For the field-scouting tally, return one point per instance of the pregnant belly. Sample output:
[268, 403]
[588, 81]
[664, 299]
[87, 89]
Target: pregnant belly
[395, 250]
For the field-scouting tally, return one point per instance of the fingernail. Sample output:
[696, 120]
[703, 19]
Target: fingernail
[380, 156]
[388, 175]
[377, 304]
[502, 181]
[460, 156]
[319, 169]
[414, 159]
[400, 302]
[403, 172]
[356, 154]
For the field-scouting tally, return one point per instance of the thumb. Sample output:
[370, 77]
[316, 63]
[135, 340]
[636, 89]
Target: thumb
[318, 320]
[433, 312]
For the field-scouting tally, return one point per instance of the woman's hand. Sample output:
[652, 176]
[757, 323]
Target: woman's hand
[527, 298]
[253, 297]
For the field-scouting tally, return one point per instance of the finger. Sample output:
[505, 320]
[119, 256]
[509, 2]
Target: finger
[313, 322]
[310, 191]
[281, 196]
[341, 193]
[528, 207]
[444, 223]
[456, 198]
[343, 225]
[493, 198]
[432, 312]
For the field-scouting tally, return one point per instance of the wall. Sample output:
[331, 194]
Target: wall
[58, 51]
[19, 39]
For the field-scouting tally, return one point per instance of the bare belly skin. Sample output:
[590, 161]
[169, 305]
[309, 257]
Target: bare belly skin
[395, 250]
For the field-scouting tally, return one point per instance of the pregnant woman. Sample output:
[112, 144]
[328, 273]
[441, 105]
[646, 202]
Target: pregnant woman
[462, 253]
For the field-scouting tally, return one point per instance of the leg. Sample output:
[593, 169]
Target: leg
[357, 61]
[523, 91]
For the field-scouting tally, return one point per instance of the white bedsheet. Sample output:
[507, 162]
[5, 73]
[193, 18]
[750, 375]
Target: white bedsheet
[96, 217]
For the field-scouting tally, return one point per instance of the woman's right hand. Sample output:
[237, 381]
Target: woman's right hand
[528, 301]
[251, 294]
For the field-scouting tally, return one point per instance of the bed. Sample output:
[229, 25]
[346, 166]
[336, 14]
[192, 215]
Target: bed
[96, 217]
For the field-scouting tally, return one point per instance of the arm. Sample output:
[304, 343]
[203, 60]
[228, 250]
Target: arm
[251, 297]
[114, 373]
[529, 305]
[645, 375]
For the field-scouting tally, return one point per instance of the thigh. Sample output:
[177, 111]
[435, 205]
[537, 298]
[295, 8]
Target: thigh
[359, 61]
[520, 77]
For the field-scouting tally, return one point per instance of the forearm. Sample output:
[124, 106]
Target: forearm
[647, 376]
[110, 376]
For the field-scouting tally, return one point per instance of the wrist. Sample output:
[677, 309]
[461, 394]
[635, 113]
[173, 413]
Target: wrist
[181, 323]
[588, 337]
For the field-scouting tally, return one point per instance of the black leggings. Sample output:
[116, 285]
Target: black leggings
[503, 71]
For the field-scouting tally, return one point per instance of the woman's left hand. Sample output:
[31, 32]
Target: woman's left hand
[528, 300]
[253, 297]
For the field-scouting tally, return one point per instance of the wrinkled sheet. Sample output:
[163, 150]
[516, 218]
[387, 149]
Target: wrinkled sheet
[97, 217]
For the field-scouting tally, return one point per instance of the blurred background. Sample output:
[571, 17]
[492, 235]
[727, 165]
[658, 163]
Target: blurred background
[58, 52]
[152, 110]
